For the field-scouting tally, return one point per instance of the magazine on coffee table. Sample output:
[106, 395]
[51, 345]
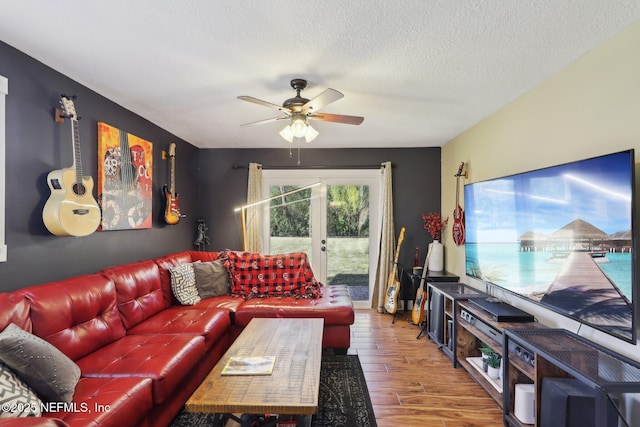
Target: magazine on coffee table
[249, 365]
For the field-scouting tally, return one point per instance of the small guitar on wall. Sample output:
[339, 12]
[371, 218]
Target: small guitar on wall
[172, 210]
[393, 284]
[458, 214]
[71, 209]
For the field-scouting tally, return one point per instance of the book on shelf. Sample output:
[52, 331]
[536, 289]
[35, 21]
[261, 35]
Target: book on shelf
[249, 365]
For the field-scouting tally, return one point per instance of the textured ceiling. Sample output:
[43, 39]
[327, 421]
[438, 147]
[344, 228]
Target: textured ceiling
[419, 71]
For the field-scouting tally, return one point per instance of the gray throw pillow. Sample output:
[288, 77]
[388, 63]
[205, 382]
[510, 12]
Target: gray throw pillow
[212, 279]
[44, 368]
[17, 400]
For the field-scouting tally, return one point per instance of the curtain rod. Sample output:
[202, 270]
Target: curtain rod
[236, 166]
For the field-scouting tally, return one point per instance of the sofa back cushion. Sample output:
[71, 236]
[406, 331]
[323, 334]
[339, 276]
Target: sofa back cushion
[14, 308]
[138, 290]
[204, 256]
[76, 315]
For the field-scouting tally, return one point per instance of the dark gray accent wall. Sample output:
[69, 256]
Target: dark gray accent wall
[209, 186]
[36, 145]
[416, 186]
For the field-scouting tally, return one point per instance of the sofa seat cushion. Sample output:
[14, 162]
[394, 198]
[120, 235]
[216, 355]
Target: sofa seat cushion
[166, 359]
[209, 323]
[107, 402]
[335, 307]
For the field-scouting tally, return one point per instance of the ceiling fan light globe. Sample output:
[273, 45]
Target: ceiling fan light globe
[311, 134]
[299, 128]
[287, 133]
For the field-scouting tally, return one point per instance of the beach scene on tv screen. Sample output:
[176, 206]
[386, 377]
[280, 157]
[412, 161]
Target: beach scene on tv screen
[560, 236]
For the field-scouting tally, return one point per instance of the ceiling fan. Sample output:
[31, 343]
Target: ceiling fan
[299, 110]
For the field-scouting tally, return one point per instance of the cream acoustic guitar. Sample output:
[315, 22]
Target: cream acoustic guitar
[171, 210]
[71, 209]
[393, 284]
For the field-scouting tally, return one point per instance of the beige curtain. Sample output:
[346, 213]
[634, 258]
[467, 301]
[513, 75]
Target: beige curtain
[253, 242]
[387, 240]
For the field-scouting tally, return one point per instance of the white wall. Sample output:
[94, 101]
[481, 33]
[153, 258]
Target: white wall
[4, 90]
[590, 108]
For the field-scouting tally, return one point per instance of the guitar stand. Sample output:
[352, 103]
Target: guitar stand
[393, 319]
[423, 329]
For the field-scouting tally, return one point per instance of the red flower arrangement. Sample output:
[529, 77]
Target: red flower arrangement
[434, 224]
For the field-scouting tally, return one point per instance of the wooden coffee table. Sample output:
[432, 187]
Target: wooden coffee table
[291, 389]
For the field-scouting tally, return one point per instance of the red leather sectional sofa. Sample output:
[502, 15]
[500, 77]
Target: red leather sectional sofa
[141, 354]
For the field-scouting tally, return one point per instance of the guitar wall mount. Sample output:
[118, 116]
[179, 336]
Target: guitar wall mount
[60, 115]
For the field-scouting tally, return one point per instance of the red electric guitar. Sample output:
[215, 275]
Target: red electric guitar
[458, 214]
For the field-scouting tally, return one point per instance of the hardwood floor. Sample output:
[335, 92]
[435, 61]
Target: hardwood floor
[411, 382]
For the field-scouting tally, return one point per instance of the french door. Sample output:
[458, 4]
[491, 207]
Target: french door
[335, 220]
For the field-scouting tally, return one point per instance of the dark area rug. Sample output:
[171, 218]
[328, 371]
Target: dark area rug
[344, 398]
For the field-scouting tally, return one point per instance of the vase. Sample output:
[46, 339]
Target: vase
[436, 259]
[494, 372]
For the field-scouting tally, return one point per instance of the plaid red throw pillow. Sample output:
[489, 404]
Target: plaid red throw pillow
[256, 275]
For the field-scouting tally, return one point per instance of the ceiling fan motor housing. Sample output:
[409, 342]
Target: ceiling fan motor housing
[297, 101]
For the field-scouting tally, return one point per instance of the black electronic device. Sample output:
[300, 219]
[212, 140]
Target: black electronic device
[482, 326]
[500, 311]
[566, 402]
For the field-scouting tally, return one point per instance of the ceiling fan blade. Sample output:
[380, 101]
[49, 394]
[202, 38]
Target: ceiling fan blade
[337, 118]
[260, 122]
[325, 98]
[265, 103]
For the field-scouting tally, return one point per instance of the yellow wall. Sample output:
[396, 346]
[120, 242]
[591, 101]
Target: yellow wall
[592, 107]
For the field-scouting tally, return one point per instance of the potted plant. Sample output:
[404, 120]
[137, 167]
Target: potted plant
[494, 365]
[486, 352]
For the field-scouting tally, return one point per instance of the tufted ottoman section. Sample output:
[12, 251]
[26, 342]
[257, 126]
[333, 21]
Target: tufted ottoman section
[166, 359]
[335, 307]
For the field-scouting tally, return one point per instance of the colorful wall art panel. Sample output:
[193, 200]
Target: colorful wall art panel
[125, 168]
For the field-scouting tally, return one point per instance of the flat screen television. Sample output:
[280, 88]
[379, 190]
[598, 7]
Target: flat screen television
[562, 237]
